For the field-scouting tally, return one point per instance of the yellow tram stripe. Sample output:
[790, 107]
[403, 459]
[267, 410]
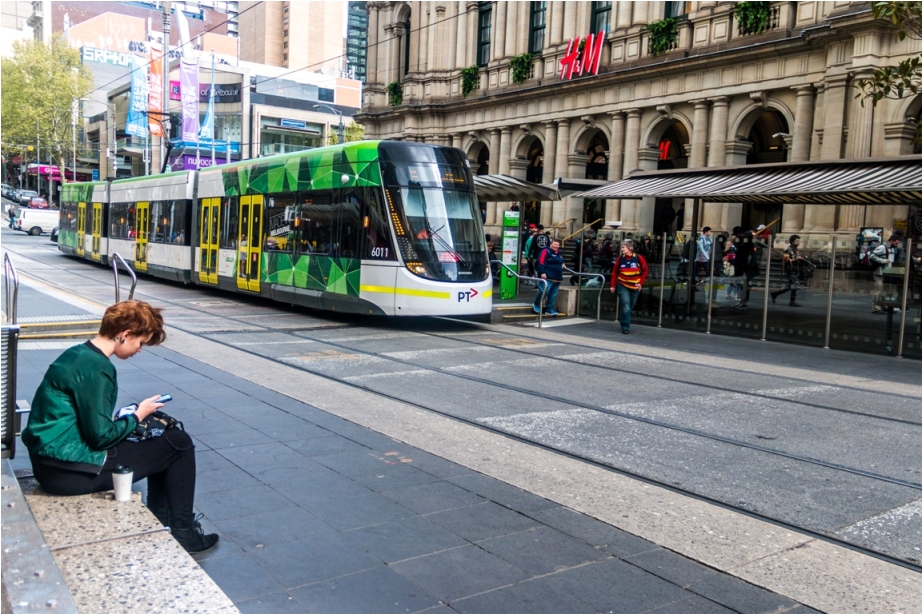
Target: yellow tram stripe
[406, 291]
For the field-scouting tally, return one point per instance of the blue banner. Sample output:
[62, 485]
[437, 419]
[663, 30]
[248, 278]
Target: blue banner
[136, 125]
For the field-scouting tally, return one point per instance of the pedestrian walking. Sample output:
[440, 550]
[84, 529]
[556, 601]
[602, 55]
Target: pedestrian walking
[703, 253]
[791, 266]
[627, 278]
[77, 441]
[882, 259]
[549, 266]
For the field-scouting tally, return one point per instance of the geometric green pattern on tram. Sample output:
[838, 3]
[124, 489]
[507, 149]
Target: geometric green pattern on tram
[67, 239]
[277, 269]
[328, 274]
[313, 169]
[78, 192]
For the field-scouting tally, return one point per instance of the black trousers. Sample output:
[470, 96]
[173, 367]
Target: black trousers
[168, 463]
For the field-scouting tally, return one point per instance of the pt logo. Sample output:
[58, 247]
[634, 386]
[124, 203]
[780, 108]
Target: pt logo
[467, 295]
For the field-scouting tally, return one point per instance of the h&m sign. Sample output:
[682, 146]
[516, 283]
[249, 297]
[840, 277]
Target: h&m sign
[578, 59]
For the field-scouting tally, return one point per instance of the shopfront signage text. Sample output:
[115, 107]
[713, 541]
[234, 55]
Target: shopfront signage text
[224, 92]
[586, 59]
[105, 56]
[293, 123]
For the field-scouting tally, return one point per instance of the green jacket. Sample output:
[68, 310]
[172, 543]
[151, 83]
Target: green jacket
[71, 418]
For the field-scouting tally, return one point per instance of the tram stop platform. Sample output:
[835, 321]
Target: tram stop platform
[319, 514]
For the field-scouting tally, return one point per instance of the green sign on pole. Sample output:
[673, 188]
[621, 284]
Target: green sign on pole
[508, 284]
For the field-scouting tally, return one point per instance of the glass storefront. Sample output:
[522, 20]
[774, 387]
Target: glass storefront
[865, 313]
[278, 136]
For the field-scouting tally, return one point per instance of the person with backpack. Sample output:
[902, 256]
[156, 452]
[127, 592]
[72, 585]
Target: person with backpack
[549, 266]
[627, 278]
[881, 259]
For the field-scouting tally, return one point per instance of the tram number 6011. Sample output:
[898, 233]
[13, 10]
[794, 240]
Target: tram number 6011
[379, 252]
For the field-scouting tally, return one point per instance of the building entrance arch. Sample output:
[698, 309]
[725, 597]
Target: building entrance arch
[768, 137]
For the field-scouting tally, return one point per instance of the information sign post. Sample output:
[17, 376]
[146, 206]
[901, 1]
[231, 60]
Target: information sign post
[508, 285]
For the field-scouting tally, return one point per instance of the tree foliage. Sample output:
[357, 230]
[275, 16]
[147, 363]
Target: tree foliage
[470, 79]
[663, 35]
[895, 82]
[352, 132]
[40, 83]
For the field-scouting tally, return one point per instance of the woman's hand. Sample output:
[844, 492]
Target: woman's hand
[147, 407]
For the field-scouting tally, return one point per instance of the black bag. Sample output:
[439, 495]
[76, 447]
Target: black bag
[152, 426]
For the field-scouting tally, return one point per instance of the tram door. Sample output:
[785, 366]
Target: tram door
[81, 229]
[249, 242]
[208, 240]
[97, 230]
[141, 230]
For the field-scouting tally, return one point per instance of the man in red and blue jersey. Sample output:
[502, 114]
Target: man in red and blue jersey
[549, 266]
[627, 277]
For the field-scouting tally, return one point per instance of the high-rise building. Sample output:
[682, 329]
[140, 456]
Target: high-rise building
[357, 40]
[303, 35]
[228, 8]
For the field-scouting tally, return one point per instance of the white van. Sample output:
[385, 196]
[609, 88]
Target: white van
[36, 221]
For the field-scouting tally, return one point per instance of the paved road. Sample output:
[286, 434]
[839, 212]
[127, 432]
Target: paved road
[799, 439]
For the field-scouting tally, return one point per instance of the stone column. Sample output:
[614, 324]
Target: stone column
[372, 57]
[550, 152]
[629, 208]
[512, 20]
[793, 217]
[860, 122]
[625, 15]
[473, 16]
[641, 12]
[561, 165]
[499, 30]
[494, 169]
[699, 137]
[449, 27]
[426, 37]
[555, 27]
[718, 136]
[834, 101]
[615, 162]
[462, 33]
[569, 20]
[505, 150]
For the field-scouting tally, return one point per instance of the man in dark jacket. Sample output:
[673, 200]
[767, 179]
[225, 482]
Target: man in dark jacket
[549, 266]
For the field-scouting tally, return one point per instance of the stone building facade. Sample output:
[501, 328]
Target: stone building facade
[718, 95]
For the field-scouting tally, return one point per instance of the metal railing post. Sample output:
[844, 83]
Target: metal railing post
[832, 279]
[662, 283]
[540, 282]
[12, 299]
[711, 285]
[116, 259]
[598, 305]
[908, 267]
[768, 272]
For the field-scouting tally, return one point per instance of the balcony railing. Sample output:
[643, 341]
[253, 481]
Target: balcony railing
[770, 23]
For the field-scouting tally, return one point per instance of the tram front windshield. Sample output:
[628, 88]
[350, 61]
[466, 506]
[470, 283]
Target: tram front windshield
[442, 219]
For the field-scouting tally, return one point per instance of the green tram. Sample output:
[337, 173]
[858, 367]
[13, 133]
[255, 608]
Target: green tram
[372, 227]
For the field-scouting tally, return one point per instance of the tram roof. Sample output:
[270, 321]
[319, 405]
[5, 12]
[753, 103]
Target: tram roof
[874, 181]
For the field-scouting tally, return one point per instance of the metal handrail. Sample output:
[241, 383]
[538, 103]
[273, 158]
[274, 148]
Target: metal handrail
[598, 305]
[537, 279]
[116, 259]
[589, 225]
[12, 300]
[572, 219]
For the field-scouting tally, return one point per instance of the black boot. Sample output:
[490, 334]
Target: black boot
[188, 532]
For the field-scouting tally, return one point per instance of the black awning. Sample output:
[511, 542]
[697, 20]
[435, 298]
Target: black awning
[883, 181]
[503, 188]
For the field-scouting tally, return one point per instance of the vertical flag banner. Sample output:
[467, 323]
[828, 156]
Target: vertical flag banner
[207, 131]
[155, 87]
[137, 105]
[188, 92]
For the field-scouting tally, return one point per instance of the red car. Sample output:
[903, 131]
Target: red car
[38, 202]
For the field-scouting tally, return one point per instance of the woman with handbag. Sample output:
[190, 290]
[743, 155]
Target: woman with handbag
[75, 444]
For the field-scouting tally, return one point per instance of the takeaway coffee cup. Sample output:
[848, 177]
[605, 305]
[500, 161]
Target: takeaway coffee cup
[121, 479]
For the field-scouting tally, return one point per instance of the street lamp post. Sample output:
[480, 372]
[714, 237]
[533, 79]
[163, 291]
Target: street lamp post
[339, 114]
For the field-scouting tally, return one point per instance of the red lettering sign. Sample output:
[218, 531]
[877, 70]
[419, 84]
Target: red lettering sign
[587, 60]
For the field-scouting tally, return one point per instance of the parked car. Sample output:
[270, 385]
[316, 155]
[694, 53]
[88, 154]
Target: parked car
[25, 196]
[36, 221]
[54, 234]
[38, 202]
[7, 190]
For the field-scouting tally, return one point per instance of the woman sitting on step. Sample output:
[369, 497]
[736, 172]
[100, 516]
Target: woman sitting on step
[75, 444]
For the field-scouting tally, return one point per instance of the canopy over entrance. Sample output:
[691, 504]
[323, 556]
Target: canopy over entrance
[503, 188]
[880, 181]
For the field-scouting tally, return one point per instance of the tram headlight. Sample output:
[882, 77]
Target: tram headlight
[418, 268]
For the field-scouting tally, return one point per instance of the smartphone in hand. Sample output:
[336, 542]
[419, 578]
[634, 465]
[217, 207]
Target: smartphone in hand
[164, 398]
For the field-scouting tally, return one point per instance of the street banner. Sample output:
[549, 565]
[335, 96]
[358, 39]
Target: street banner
[155, 85]
[137, 104]
[508, 282]
[207, 131]
[188, 91]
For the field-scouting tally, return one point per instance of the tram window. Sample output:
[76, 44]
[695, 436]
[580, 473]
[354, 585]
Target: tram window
[346, 226]
[377, 230]
[122, 216]
[177, 216]
[230, 208]
[317, 223]
[281, 215]
[69, 217]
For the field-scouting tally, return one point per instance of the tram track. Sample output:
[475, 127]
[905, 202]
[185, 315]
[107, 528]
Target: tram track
[303, 334]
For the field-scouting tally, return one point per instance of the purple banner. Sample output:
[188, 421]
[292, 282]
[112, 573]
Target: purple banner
[188, 84]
